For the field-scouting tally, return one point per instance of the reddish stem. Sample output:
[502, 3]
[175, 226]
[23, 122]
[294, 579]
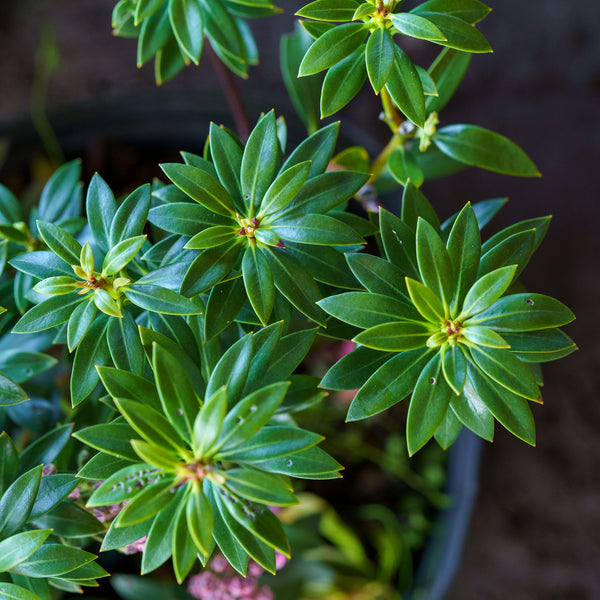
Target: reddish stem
[232, 94]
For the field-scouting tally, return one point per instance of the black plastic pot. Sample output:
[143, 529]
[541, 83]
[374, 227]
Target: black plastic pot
[160, 125]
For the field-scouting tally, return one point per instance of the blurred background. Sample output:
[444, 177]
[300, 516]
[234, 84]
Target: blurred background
[535, 529]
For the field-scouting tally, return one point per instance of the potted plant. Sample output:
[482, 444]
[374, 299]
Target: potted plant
[189, 344]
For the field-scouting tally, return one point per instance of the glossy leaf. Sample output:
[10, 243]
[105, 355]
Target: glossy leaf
[332, 47]
[524, 312]
[394, 337]
[486, 291]
[428, 405]
[390, 384]
[483, 148]
[454, 368]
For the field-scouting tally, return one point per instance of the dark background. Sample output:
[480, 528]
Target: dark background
[536, 528]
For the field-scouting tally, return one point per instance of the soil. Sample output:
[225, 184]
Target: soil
[534, 534]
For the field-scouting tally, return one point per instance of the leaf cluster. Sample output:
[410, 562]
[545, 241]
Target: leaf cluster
[173, 32]
[442, 325]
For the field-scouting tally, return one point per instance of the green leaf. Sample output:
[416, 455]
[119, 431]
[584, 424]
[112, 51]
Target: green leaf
[51, 560]
[210, 267]
[403, 167]
[428, 405]
[17, 548]
[118, 537]
[394, 337]
[53, 489]
[509, 408]
[56, 286]
[353, 369]
[125, 484]
[464, 249]
[60, 242]
[523, 312]
[92, 351]
[483, 148]
[178, 398]
[112, 438]
[459, 34]
[226, 151]
[426, 302]
[155, 32]
[296, 284]
[146, 8]
[406, 89]
[258, 280]
[284, 189]
[325, 192]
[454, 368]
[312, 463]
[209, 422]
[159, 544]
[184, 552]
[185, 218]
[271, 442]
[329, 10]
[124, 344]
[379, 58]
[130, 218]
[149, 423]
[447, 70]
[417, 27]
[390, 384]
[378, 275]
[46, 448]
[450, 427]
[122, 384]
[303, 91]
[251, 545]
[472, 412]
[316, 229]
[41, 264]
[21, 493]
[187, 25]
[102, 466]
[506, 370]
[224, 304]
[471, 11]
[10, 591]
[211, 237]
[364, 309]
[415, 205]
[290, 352]
[539, 225]
[199, 520]
[434, 263]
[399, 243]
[121, 255]
[540, 346]
[61, 195]
[259, 162]
[161, 300]
[10, 392]
[261, 487]
[318, 148]
[482, 336]
[232, 370]
[486, 291]
[147, 503]
[71, 521]
[100, 209]
[249, 415]
[342, 82]
[9, 460]
[514, 250]
[202, 187]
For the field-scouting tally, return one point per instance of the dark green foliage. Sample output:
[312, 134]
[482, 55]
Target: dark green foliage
[463, 335]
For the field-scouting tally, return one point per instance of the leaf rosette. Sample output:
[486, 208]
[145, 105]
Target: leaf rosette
[277, 223]
[173, 31]
[99, 305]
[442, 325]
[341, 27]
[34, 555]
[194, 474]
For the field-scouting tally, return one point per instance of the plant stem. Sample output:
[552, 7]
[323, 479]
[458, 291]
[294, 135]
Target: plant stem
[232, 94]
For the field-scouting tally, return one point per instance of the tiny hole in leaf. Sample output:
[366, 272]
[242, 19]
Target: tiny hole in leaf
[529, 301]
[432, 381]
